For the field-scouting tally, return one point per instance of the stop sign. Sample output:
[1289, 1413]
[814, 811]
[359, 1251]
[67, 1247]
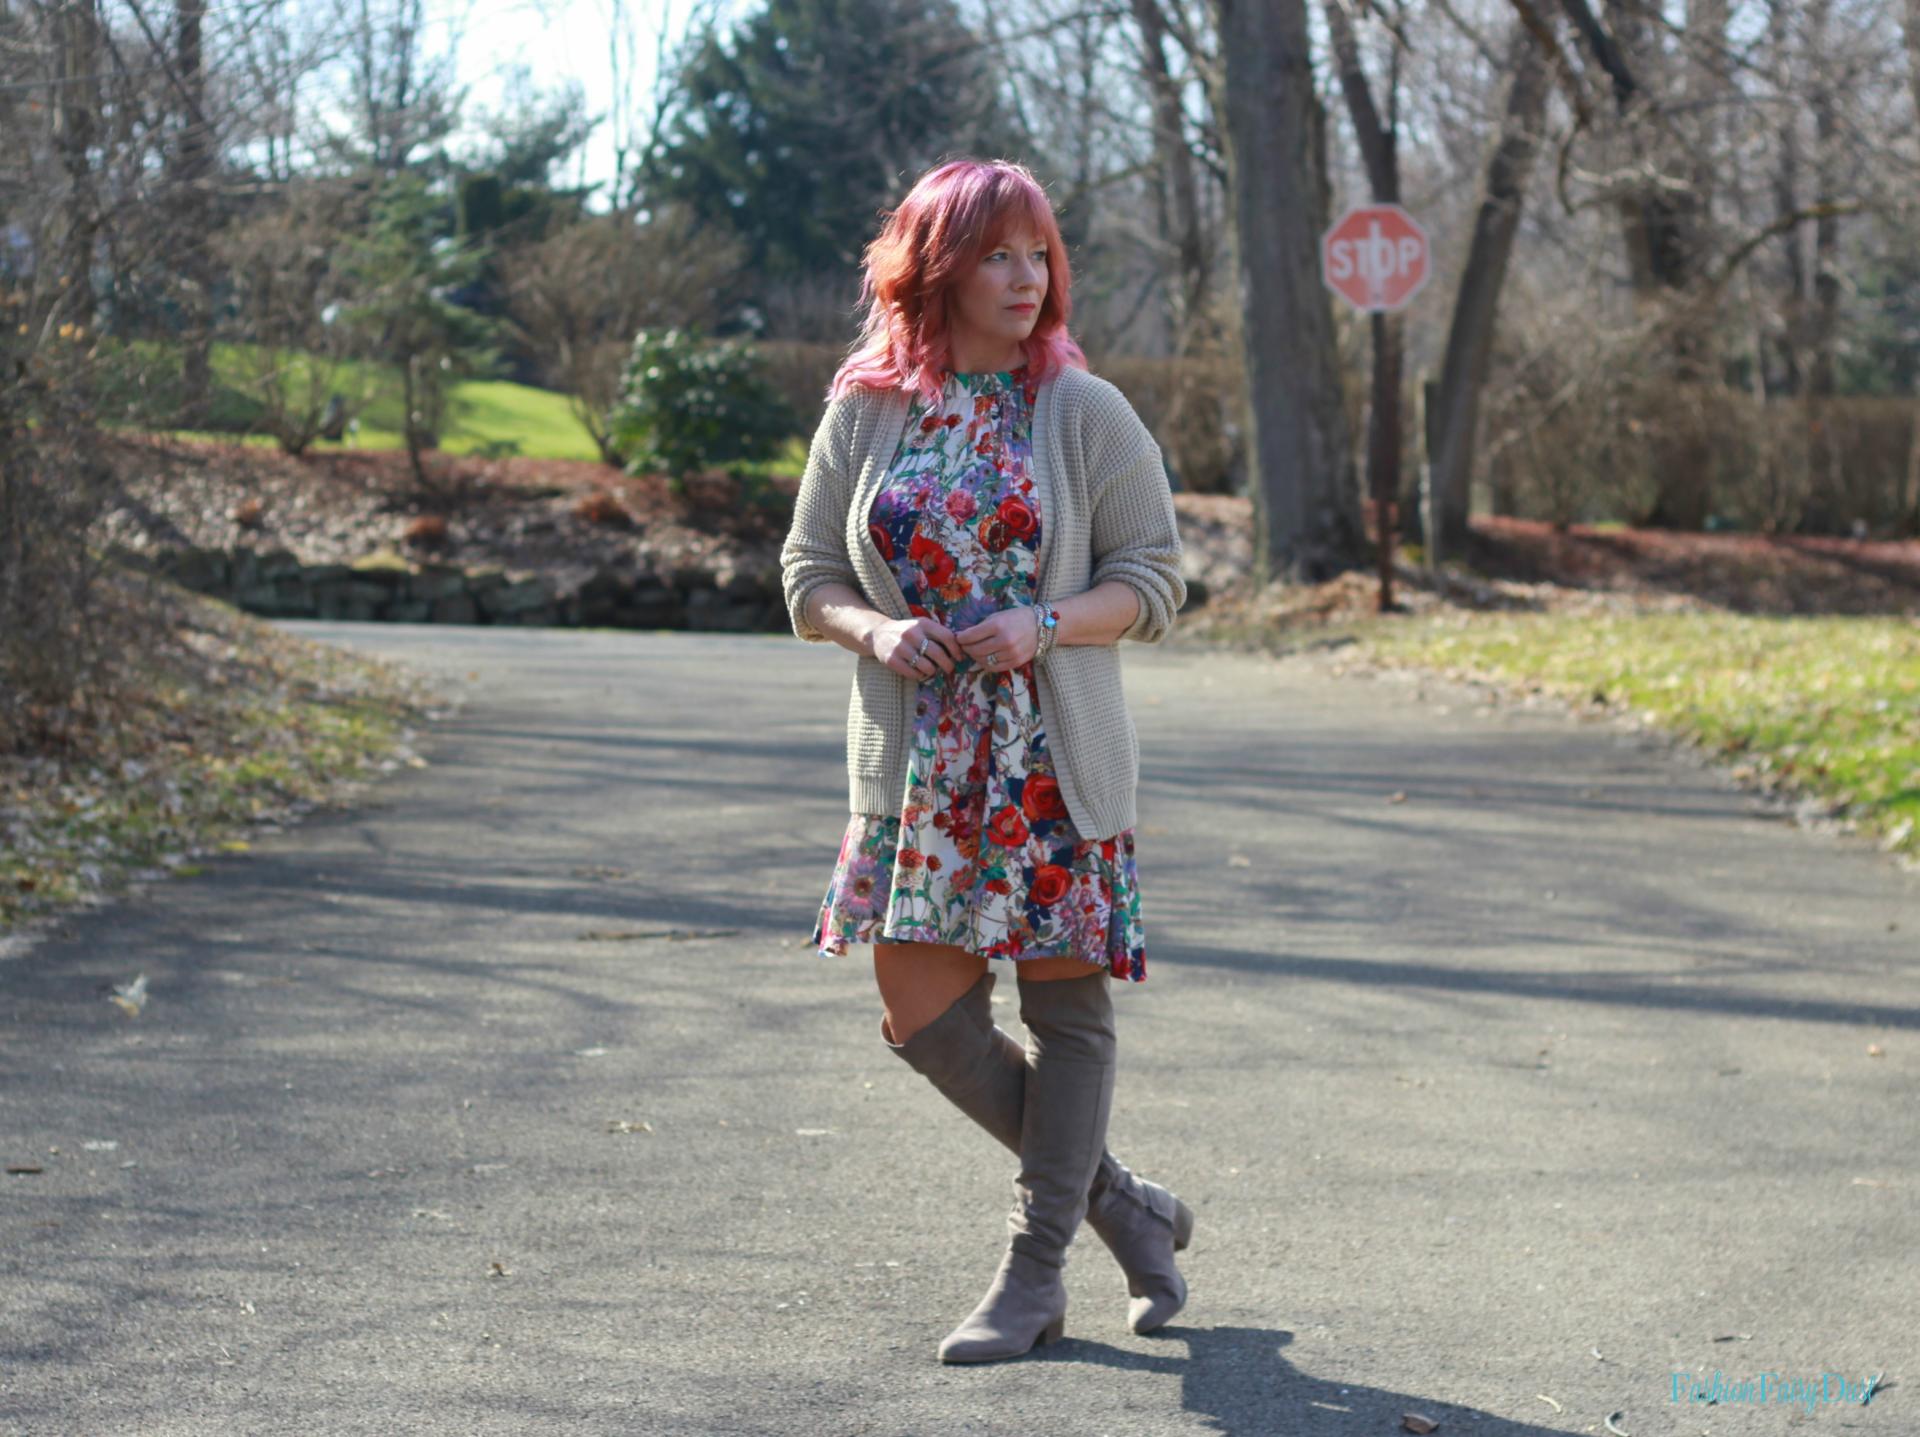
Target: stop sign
[1375, 255]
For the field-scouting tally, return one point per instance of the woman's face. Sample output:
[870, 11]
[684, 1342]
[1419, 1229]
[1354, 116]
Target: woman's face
[996, 306]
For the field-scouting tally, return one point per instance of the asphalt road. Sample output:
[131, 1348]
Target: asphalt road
[1521, 1102]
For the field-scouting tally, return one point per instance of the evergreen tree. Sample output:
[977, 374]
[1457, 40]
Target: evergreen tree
[817, 115]
[410, 269]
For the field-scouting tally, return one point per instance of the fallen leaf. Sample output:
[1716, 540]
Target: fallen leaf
[131, 997]
[1414, 1422]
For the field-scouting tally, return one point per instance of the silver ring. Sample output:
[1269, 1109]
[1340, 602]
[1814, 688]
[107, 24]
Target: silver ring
[993, 658]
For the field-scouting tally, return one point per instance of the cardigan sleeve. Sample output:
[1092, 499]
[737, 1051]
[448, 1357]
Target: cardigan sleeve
[1136, 537]
[815, 551]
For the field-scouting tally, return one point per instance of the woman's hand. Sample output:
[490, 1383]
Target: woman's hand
[1005, 640]
[917, 646]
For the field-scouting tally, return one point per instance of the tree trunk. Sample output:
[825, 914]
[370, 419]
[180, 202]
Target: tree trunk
[1178, 192]
[1664, 231]
[1476, 303]
[1307, 514]
[75, 120]
[1786, 191]
[1379, 148]
[196, 225]
[1825, 321]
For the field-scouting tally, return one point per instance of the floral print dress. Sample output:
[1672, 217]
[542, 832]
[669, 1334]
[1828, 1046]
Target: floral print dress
[982, 853]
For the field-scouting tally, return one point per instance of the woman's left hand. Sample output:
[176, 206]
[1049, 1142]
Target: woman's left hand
[1010, 637]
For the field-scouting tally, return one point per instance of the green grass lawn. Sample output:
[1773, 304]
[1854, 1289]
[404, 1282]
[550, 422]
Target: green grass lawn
[1823, 706]
[140, 387]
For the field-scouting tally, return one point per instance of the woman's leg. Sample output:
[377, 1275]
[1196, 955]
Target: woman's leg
[1046, 970]
[982, 1070]
[920, 981]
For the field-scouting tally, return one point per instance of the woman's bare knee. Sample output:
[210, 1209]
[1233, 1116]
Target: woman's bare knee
[919, 981]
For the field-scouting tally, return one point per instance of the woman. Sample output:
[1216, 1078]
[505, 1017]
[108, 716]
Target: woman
[982, 521]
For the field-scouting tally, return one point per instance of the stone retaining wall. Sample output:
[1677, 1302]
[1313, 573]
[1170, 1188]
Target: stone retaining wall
[276, 584]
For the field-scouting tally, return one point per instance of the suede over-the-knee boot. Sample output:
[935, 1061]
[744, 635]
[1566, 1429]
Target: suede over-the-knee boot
[1063, 1126]
[982, 1070]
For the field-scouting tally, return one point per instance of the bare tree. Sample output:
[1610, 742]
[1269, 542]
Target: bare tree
[1463, 374]
[580, 295]
[193, 158]
[404, 98]
[76, 109]
[1307, 518]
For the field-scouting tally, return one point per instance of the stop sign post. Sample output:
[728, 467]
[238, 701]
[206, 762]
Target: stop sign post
[1375, 257]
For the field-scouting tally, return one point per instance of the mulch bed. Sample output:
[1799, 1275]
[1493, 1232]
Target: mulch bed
[516, 513]
[532, 515]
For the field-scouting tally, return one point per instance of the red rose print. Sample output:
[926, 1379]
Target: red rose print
[929, 424]
[1007, 827]
[999, 885]
[933, 862]
[910, 858]
[1040, 797]
[993, 535]
[1050, 884]
[881, 541]
[919, 611]
[935, 562]
[951, 420]
[1019, 519]
[961, 506]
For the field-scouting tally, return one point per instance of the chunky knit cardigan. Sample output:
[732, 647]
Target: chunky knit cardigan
[1106, 513]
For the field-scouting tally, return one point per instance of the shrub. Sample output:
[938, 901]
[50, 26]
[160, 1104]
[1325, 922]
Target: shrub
[687, 403]
[428, 531]
[602, 508]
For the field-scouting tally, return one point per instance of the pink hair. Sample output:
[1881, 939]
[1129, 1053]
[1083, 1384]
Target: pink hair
[951, 219]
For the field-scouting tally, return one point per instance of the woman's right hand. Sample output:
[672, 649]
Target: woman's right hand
[897, 641]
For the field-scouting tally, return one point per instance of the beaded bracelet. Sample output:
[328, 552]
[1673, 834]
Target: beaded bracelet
[1049, 629]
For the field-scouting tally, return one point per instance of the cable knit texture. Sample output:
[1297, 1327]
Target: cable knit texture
[1106, 513]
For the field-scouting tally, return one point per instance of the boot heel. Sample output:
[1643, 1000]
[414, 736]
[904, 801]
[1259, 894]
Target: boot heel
[1053, 1331]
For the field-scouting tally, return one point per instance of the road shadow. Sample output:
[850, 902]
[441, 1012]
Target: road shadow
[1238, 1379]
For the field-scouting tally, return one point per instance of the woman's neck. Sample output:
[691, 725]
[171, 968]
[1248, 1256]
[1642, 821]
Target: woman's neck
[965, 357]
